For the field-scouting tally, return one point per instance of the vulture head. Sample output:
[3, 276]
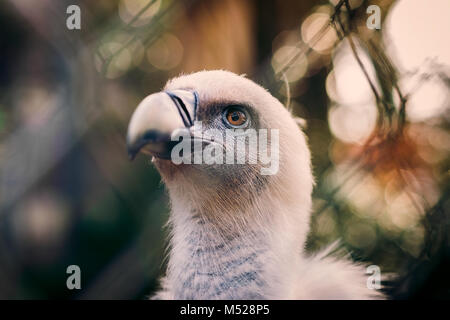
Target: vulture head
[237, 169]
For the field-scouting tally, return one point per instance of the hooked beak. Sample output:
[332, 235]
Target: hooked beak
[157, 118]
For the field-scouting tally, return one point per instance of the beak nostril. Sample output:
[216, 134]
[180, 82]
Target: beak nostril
[182, 109]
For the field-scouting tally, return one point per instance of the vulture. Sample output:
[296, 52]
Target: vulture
[237, 232]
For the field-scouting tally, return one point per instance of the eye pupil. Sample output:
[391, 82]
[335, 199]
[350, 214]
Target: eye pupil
[235, 117]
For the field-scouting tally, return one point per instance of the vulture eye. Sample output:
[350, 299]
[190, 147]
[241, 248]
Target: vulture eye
[235, 117]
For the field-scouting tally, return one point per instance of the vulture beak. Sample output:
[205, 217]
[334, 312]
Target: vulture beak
[157, 118]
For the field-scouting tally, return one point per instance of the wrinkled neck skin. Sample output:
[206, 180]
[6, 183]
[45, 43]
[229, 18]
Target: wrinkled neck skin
[254, 260]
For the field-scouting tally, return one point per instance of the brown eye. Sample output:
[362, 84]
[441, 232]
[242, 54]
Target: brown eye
[235, 117]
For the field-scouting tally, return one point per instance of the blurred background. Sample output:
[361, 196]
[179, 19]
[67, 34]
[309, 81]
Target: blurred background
[376, 104]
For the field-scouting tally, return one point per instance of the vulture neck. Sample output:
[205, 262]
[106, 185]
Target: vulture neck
[205, 263]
